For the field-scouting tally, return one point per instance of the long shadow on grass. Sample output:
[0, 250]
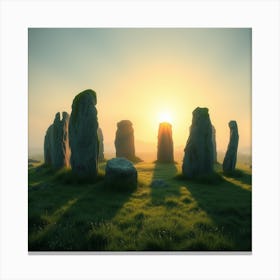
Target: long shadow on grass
[81, 219]
[240, 176]
[229, 206]
[46, 198]
[163, 172]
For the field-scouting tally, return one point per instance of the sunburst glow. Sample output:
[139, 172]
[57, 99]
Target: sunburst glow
[165, 117]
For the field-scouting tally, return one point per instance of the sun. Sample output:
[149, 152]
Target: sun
[165, 117]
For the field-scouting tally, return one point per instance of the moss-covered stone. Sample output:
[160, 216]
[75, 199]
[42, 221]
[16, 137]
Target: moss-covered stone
[201, 111]
[198, 159]
[85, 92]
[83, 135]
[56, 144]
[78, 98]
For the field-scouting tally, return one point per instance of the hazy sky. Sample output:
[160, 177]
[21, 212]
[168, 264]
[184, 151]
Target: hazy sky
[142, 75]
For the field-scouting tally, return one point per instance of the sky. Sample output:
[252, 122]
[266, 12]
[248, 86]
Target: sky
[146, 75]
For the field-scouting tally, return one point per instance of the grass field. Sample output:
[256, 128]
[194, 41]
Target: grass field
[65, 215]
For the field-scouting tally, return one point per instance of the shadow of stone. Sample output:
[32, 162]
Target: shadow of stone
[68, 217]
[229, 207]
[241, 176]
[163, 172]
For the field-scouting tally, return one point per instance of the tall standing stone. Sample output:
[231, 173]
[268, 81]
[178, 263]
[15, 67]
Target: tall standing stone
[165, 143]
[83, 137]
[124, 141]
[231, 154]
[101, 145]
[198, 158]
[214, 144]
[61, 150]
[56, 144]
[65, 144]
[48, 144]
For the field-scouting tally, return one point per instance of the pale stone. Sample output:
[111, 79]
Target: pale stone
[120, 174]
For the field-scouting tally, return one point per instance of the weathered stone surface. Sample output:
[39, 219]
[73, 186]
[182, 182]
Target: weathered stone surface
[61, 150]
[101, 145]
[56, 144]
[231, 154]
[120, 174]
[165, 143]
[48, 144]
[65, 138]
[214, 144]
[83, 137]
[124, 141]
[198, 158]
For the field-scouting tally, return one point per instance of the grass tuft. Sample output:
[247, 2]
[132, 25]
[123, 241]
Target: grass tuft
[67, 176]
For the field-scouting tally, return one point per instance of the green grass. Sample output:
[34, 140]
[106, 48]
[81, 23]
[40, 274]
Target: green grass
[67, 215]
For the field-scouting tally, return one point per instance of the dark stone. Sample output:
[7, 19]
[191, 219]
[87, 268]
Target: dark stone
[124, 141]
[61, 150]
[56, 144]
[48, 144]
[83, 137]
[120, 174]
[101, 145]
[198, 158]
[165, 143]
[231, 154]
[214, 144]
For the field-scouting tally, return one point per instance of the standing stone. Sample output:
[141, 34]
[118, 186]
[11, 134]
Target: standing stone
[214, 144]
[124, 141]
[83, 137]
[48, 143]
[231, 154]
[60, 150]
[198, 158]
[65, 138]
[165, 143]
[101, 145]
[56, 144]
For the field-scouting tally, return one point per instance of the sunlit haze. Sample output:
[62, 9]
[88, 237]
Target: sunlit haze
[165, 117]
[147, 76]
